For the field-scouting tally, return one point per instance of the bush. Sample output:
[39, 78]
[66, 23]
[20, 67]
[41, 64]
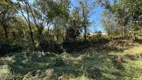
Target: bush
[75, 45]
[59, 61]
[6, 48]
[101, 39]
[47, 46]
[9, 46]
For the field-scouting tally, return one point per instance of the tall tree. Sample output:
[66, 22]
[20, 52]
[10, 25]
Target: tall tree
[127, 15]
[86, 7]
[7, 13]
[24, 5]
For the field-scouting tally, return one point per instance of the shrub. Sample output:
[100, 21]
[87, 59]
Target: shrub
[47, 46]
[59, 61]
[6, 48]
[75, 45]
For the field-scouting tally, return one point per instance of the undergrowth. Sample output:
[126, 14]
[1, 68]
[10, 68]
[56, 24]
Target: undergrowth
[88, 64]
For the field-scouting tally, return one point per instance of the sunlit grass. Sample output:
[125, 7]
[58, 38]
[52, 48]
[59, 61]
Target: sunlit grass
[135, 50]
[88, 64]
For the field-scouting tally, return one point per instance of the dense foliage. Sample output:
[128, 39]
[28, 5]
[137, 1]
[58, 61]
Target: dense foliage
[42, 25]
[122, 18]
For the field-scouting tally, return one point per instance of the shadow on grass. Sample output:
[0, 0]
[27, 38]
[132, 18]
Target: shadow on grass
[101, 66]
[95, 63]
[31, 65]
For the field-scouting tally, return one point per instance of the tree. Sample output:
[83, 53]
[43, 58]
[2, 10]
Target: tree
[7, 13]
[72, 33]
[125, 14]
[86, 10]
[74, 24]
[58, 14]
[19, 29]
[25, 5]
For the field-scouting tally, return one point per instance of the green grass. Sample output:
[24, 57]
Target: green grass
[89, 64]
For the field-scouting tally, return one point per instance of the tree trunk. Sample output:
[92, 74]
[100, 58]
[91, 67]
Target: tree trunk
[30, 28]
[37, 26]
[5, 30]
[32, 38]
[40, 30]
[29, 23]
[85, 31]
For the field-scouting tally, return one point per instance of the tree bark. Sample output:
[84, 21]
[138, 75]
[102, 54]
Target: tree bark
[37, 26]
[85, 31]
[30, 28]
[5, 30]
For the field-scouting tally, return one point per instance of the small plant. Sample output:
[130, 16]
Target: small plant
[59, 61]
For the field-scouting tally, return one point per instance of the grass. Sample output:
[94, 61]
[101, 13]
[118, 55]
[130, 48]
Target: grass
[89, 64]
